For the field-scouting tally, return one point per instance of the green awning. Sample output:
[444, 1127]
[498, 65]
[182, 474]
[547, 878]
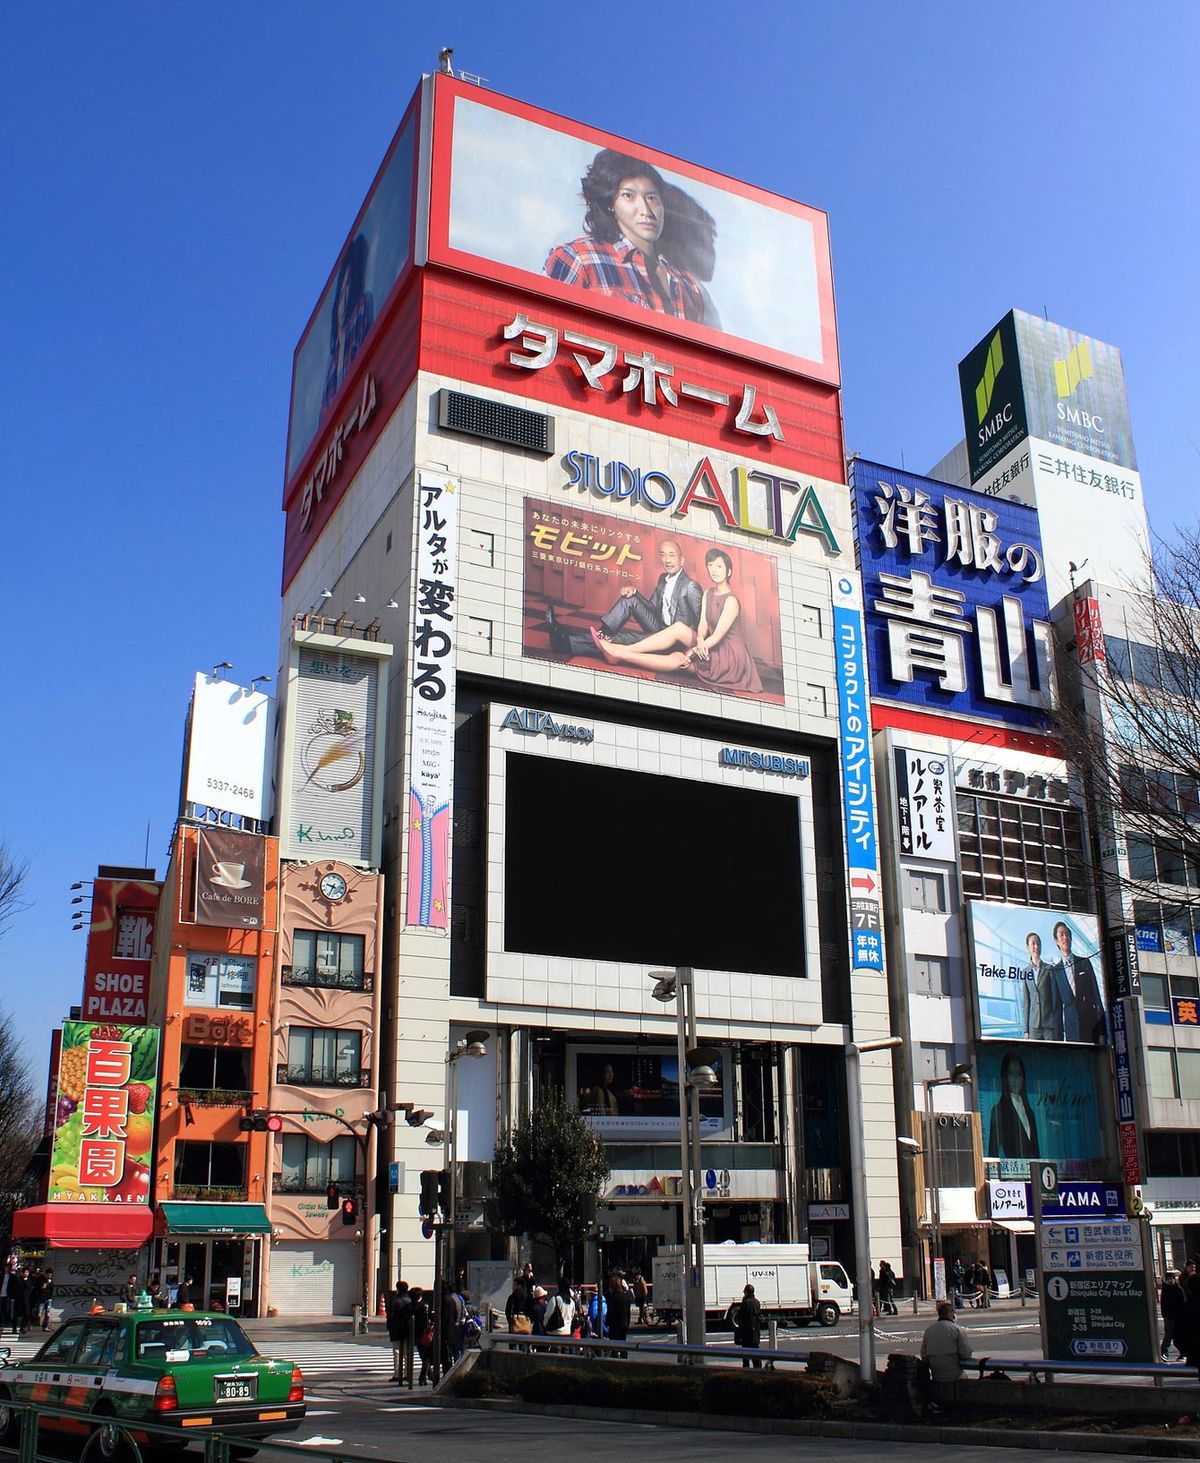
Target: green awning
[219, 1219]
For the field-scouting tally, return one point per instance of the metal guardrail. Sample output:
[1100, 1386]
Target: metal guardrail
[218, 1447]
[1038, 1369]
[609, 1347]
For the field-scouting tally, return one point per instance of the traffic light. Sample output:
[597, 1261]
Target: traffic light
[349, 1211]
[332, 1197]
[260, 1121]
[443, 1183]
[428, 1203]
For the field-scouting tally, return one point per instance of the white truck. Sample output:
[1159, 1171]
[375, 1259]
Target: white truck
[789, 1285]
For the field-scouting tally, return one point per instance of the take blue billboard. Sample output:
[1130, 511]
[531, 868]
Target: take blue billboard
[954, 588]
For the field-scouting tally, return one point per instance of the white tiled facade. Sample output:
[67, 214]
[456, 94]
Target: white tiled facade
[667, 730]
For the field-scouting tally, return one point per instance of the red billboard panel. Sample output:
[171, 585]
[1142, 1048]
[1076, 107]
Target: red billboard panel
[642, 600]
[530, 199]
[116, 981]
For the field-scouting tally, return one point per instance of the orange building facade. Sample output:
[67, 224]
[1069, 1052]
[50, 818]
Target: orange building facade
[211, 994]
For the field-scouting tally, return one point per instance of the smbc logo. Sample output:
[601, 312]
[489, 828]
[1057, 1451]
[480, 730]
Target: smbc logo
[987, 383]
[1076, 368]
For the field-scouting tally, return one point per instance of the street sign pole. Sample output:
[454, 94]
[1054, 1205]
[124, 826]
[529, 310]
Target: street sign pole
[1044, 1187]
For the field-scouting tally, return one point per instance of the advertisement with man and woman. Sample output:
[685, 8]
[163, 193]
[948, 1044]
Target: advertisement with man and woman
[547, 203]
[641, 600]
[1038, 974]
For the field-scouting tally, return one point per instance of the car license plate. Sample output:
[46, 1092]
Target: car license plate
[242, 1388]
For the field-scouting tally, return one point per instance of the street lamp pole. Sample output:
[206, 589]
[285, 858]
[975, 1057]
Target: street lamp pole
[960, 1076]
[677, 985]
[858, 1196]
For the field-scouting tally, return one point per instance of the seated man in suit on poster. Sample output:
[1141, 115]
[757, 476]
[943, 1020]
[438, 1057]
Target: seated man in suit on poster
[1078, 1013]
[676, 599]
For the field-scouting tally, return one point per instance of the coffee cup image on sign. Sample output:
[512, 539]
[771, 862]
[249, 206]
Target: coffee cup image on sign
[229, 875]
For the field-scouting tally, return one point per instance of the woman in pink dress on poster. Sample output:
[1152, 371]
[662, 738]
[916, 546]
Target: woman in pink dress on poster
[716, 651]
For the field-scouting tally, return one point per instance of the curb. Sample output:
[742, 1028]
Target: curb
[1127, 1444]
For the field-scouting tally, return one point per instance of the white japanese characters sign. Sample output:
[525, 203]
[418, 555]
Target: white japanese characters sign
[956, 606]
[432, 686]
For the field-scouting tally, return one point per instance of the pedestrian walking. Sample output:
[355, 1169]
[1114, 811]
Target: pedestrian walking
[399, 1329]
[887, 1290]
[747, 1324]
[619, 1305]
[641, 1297]
[46, 1299]
[6, 1281]
[422, 1314]
[19, 1295]
[1171, 1303]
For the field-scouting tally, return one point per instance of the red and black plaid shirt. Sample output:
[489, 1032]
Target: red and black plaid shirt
[620, 269]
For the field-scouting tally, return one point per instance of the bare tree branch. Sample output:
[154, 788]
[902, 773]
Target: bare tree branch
[12, 880]
[1133, 731]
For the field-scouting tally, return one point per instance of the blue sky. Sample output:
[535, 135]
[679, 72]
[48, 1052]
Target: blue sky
[178, 181]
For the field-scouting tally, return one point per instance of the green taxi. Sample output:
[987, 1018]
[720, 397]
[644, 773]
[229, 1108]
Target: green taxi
[194, 1371]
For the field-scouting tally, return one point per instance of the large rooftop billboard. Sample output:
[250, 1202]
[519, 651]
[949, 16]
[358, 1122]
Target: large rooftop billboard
[528, 198]
[494, 188]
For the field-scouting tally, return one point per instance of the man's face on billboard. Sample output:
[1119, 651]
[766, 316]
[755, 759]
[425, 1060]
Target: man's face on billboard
[670, 557]
[1062, 938]
[638, 210]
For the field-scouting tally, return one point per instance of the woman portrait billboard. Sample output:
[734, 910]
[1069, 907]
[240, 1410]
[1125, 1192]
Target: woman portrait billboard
[551, 205]
[1039, 1101]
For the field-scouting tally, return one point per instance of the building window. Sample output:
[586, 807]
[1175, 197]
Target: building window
[954, 1134]
[220, 980]
[934, 1060]
[1154, 992]
[1022, 853]
[210, 1166]
[323, 958]
[1162, 862]
[324, 1057]
[931, 975]
[926, 891]
[1173, 1155]
[1187, 1065]
[215, 1069]
[1167, 929]
[310, 1166]
[1160, 1070]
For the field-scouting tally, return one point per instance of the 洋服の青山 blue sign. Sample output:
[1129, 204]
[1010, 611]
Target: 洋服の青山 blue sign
[954, 587]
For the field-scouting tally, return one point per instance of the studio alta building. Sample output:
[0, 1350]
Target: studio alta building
[572, 657]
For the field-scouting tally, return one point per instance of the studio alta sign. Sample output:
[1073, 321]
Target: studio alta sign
[753, 500]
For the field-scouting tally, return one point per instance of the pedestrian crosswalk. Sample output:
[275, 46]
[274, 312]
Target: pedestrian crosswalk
[326, 1358]
[21, 1348]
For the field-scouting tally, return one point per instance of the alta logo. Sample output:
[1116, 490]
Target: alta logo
[987, 382]
[535, 723]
